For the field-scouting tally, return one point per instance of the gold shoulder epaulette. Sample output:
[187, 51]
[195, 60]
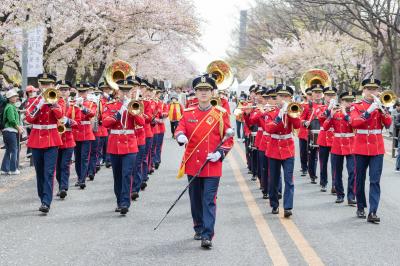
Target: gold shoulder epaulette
[220, 108]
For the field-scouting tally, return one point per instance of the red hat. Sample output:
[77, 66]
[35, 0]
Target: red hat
[31, 89]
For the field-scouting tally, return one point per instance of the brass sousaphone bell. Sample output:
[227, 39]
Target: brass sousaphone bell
[135, 107]
[118, 70]
[314, 77]
[223, 77]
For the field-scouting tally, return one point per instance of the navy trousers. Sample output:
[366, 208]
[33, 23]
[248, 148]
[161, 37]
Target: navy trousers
[337, 163]
[93, 156]
[122, 166]
[145, 165]
[63, 167]
[312, 161]
[375, 164]
[261, 165]
[303, 154]
[254, 161]
[274, 171]
[45, 161]
[138, 170]
[100, 150]
[82, 153]
[248, 152]
[324, 152]
[106, 156]
[203, 204]
[158, 139]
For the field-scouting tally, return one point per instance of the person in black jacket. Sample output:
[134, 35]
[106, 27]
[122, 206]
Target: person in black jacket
[396, 123]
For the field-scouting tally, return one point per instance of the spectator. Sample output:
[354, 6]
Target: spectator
[12, 129]
[175, 112]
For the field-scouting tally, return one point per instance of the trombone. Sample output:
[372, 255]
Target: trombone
[215, 101]
[135, 107]
[50, 96]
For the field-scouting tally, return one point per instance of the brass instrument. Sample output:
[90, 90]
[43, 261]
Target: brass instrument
[223, 73]
[388, 98]
[51, 95]
[314, 77]
[294, 109]
[215, 101]
[118, 70]
[61, 127]
[135, 107]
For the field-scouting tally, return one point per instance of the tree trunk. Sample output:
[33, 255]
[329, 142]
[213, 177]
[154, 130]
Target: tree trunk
[98, 72]
[395, 76]
[377, 57]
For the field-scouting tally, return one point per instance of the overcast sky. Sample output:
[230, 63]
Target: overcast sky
[220, 18]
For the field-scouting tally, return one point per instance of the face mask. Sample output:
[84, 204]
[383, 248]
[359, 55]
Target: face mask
[33, 94]
[72, 94]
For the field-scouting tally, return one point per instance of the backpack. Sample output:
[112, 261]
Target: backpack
[3, 103]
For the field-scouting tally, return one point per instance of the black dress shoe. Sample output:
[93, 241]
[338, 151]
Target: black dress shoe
[206, 243]
[98, 168]
[143, 186]
[313, 178]
[77, 184]
[58, 193]
[44, 208]
[118, 209]
[124, 210]
[197, 236]
[339, 200]
[279, 195]
[351, 202]
[303, 173]
[275, 210]
[265, 196]
[108, 164]
[156, 165]
[253, 178]
[151, 171]
[333, 191]
[373, 218]
[91, 177]
[361, 213]
[63, 194]
[287, 213]
[323, 189]
[134, 195]
[82, 185]
[249, 172]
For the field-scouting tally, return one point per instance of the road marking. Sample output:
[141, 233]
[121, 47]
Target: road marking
[308, 253]
[268, 238]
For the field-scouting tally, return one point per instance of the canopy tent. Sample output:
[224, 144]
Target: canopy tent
[245, 85]
[234, 86]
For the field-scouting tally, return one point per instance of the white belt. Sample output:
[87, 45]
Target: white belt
[276, 136]
[68, 129]
[260, 129]
[330, 129]
[44, 126]
[266, 134]
[254, 134]
[315, 131]
[367, 132]
[344, 135]
[138, 127]
[121, 131]
[86, 122]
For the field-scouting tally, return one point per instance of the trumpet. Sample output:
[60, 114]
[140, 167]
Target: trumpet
[294, 110]
[215, 101]
[388, 98]
[135, 107]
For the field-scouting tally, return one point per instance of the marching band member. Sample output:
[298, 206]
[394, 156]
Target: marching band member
[325, 138]
[71, 118]
[205, 126]
[141, 143]
[309, 119]
[44, 140]
[102, 132]
[175, 112]
[280, 150]
[156, 130]
[107, 96]
[149, 109]
[342, 146]
[83, 134]
[191, 100]
[122, 144]
[303, 137]
[223, 95]
[368, 117]
[160, 120]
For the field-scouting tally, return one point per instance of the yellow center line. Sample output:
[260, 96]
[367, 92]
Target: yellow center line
[264, 230]
[308, 253]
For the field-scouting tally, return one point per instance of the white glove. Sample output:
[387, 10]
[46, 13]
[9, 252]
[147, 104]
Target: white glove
[79, 101]
[40, 104]
[65, 119]
[283, 110]
[182, 139]
[332, 104]
[377, 100]
[213, 157]
[122, 109]
[372, 107]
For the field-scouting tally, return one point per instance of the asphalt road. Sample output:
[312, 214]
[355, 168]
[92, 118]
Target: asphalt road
[84, 229]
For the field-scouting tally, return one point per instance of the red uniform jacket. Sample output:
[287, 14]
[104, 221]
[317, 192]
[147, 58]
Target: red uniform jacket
[281, 145]
[73, 113]
[225, 105]
[303, 131]
[187, 125]
[342, 143]
[366, 142]
[255, 118]
[84, 130]
[163, 114]
[47, 115]
[149, 115]
[266, 138]
[325, 137]
[140, 134]
[191, 102]
[102, 130]
[120, 142]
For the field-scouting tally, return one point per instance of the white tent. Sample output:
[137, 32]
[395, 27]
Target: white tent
[234, 86]
[245, 85]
